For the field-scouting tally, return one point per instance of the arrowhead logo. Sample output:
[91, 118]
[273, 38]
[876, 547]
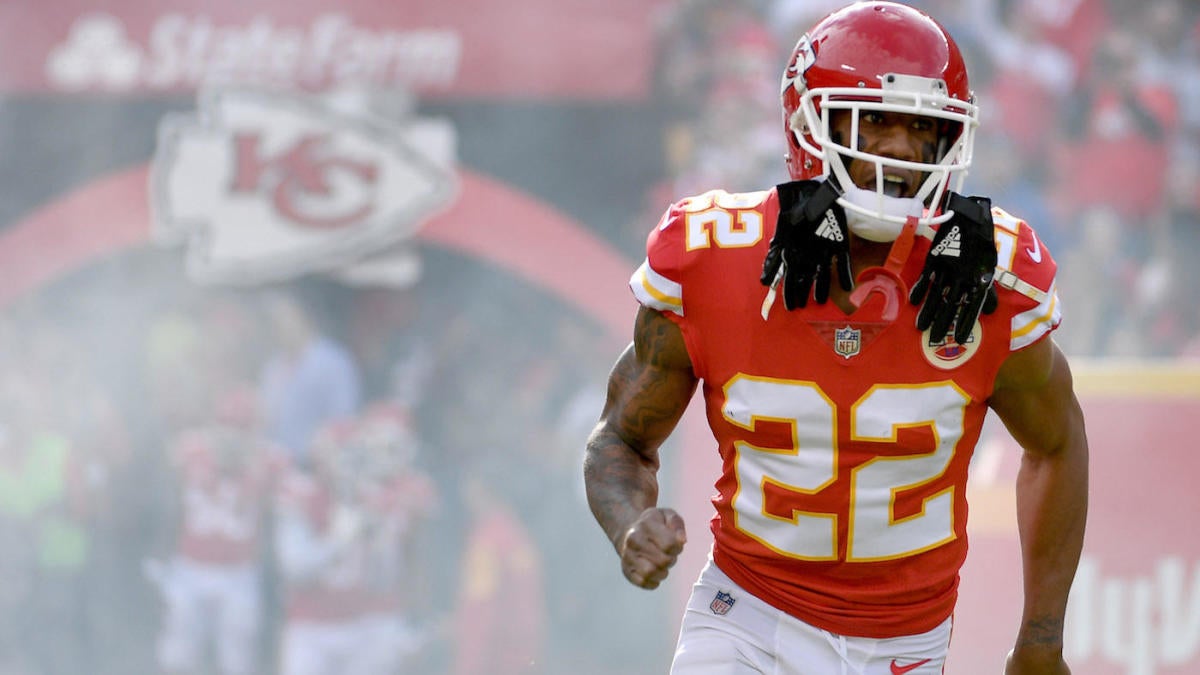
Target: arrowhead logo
[802, 59]
[264, 186]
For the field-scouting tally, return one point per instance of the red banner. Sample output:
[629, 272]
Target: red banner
[526, 49]
[1135, 604]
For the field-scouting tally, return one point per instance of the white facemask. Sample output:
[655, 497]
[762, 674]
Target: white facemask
[860, 204]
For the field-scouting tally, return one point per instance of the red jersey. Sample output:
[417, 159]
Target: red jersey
[358, 575]
[225, 492]
[500, 618]
[845, 439]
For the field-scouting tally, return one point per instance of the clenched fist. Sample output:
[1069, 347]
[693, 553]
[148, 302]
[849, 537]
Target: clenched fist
[1034, 661]
[650, 547]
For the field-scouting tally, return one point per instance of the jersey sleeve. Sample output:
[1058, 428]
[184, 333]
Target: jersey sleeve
[657, 282]
[1027, 274]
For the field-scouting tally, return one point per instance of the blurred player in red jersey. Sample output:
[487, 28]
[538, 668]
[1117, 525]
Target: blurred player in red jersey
[212, 586]
[849, 330]
[499, 623]
[343, 538]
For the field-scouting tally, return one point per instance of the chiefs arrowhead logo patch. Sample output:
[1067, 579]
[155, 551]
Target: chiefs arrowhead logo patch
[265, 186]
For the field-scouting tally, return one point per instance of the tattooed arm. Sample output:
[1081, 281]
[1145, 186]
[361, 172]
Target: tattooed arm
[1035, 399]
[648, 390]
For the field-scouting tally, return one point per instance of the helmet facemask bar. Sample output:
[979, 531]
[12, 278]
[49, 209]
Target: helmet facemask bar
[810, 125]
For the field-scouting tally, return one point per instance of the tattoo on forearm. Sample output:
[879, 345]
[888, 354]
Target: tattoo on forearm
[650, 335]
[651, 383]
[620, 483]
[649, 388]
[1045, 631]
[642, 401]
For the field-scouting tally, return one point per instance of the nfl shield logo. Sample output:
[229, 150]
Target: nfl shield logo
[722, 603]
[847, 341]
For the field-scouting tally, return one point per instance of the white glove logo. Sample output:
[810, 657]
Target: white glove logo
[950, 246]
[829, 228]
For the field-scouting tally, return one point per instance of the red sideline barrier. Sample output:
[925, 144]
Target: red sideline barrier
[1135, 605]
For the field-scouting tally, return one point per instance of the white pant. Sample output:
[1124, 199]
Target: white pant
[752, 637]
[210, 604]
[369, 645]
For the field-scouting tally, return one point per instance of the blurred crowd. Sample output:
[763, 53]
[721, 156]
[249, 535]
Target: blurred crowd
[310, 478]
[318, 478]
[1090, 131]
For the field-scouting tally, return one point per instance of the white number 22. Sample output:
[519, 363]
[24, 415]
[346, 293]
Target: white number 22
[810, 466]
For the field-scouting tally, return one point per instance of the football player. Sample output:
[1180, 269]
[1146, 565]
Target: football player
[343, 539]
[212, 587]
[849, 330]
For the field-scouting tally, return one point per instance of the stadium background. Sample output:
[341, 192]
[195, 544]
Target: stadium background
[530, 147]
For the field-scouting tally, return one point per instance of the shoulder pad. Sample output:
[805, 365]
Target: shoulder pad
[1025, 267]
[1020, 251]
[691, 226]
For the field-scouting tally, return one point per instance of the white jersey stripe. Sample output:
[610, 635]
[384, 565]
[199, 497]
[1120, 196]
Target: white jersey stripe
[1030, 325]
[656, 291]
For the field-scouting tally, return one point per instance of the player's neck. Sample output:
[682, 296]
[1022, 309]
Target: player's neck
[863, 255]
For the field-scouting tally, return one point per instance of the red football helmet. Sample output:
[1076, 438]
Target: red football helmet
[884, 57]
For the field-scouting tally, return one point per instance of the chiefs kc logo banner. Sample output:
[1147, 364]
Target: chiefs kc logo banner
[264, 186]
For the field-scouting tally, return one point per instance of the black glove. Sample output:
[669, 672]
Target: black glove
[958, 271]
[809, 235]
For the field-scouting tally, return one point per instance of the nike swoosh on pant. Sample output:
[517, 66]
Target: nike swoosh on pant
[898, 669]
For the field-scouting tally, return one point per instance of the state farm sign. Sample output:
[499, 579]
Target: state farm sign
[186, 51]
[543, 49]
